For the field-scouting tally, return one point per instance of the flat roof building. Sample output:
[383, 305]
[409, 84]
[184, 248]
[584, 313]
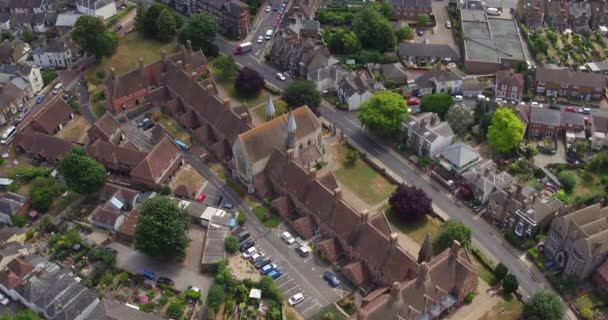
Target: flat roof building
[490, 43]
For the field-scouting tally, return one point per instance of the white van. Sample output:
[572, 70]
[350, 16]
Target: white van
[268, 35]
[458, 98]
[57, 88]
[481, 97]
[493, 12]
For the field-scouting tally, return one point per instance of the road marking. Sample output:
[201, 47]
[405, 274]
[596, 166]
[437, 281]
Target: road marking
[308, 259]
[284, 283]
[285, 292]
[316, 304]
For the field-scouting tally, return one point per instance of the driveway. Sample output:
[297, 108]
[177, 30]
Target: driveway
[135, 262]
[440, 34]
[542, 160]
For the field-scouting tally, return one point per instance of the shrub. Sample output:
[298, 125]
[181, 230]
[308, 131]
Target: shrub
[231, 244]
[123, 277]
[351, 157]
[242, 219]
[586, 314]
[328, 316]
[107, 279]
[165, 190]
[146, 307]
[194, 294]
[568, 180]
[19, 221]
[175, 309]
[513, 239]
[531, 151]
[469, 298]
[500, 271]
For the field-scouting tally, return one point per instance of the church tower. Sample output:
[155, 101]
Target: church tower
[291, 131]
[269, 108]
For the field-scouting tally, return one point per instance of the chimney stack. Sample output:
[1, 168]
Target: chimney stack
[361, 314]
[423, 123]
[189, 46]
[289, 154]
[395, 290]
[364, 216]
[226, 103]
[455, 248]
[209, 87]
[113, 73]
[244, 116]
[180, 64]
[338, 193]
[163, 54]
[194, 76]
[140, 62]
[313, 173]
[423, 272]
[394, 238]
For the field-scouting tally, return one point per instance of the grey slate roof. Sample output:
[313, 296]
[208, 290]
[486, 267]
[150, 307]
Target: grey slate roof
[391, 71]
[411, 4]
[485, 178]
[113, 310]
[575, 78]
[429, 79]
[459, 154]
[94, 4]
[426, 50]
[432, 128]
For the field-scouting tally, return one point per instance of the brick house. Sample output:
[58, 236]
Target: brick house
[509, 85]
[557, 14]
[599, 14]
[566, 83]
[107, 128]
[48, 119]
[600, 278]
[531, 13]
[578, 241]
[117, 203]
[116, 159]
[42, 147]
[406, 9]
[362, 247]
[133, 88]
[232, 16]
[549, 123]
[159, 165]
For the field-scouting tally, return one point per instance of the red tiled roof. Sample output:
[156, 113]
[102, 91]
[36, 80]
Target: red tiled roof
[164, 156]
[48, 117]
[304, 226]
[40, 145]
[108, 127]
[115, 156]
[356, 272]
[20, 267]
[9, 279]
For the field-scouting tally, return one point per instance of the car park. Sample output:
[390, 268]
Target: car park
[148, 274]
[274, 274]
[267, 268]
[4, 300]
[244, 235]
[249, 252]
[287, 237]
[331, 278]
[148, 126]
[295, 299]
[280, 76]
[246, 245]
[165, 281]
[255, 257]
[262, 262]
[303, 251]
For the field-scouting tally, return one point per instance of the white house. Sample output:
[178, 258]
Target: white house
[353, 91]
[100, 8]
[426, 134]
[437, 81]
[56, 54]
[30, 73]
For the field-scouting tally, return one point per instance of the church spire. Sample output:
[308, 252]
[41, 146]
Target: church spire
[291, 131]
[426, 250]
[269, 108]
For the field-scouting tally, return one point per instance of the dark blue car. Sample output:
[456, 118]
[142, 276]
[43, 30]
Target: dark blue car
[331, 278]
[148, 275]
[274, 274]
[40, 99]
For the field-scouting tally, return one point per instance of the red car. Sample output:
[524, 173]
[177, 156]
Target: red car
[570, 109]
[413, 101]
[201, 197]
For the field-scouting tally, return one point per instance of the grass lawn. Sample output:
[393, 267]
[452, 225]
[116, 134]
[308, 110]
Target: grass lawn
[272, 222]
[236, 187]
[280, 107]
[98, 108]
[337, 315]
[509, 308]
[228, 86]
[62, 202]
[484, 273]
[363, 180]
[174, 130]
[416, 230]
[592, 301]
[133, 46]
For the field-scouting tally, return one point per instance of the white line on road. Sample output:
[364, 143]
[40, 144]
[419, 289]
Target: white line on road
[286, 282]
[316, 304]
[296, 287]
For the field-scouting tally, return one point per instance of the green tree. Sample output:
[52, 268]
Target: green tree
[81, 173]
[140, 17]
[22, 315]
[165, 190]
[91, 34]
[342, 41]
[215, 297]
[460, 118]
[438, 103]
[150, 26]
[374, 30]
[448, 232]
[27, 35]
[506, 131]
[176, 309]
[423, 20]
[242, 219]
[510, 284]
[201, 30]
[162, 228]
[383, 113]
[226, 67]
[42, 199]
[385, 9]
[500, 271]
[351, 157]
[404, 33]
[544, 305]
[166, 26]
[567, 179]
[231, 244]
[48, 76]
[19, 221]
[302, 92]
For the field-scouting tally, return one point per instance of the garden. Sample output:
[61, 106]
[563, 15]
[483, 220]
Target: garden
[267, 215]
[592, 306]
[583, 184]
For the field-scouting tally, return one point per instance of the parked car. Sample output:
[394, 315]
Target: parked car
[262, 262]
[420, 32]
[148, 126]
[143, 122]
[165, 281]
[268, 8]
[4, 300]
[249, 252]
[331, 278]
[40, 99]
[296, 299]
[244, 235]
[280, 76]
[246, 245]
[219, 200]
[303, 251]
[148, 274]
[501, 101]
[586, 111]
[554, 107]
[267, 268]
[287, 237]
[228, 206]
[412, 101]
[274, 274]
[458, 98]
[570, 109]
[448, 25]
[260, 39]
[572, 157]
[201, 197]
[254, 257]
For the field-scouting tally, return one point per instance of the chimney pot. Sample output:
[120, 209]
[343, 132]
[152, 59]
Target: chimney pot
[244, 116]
[361, 314]
[365, 215]
[338, 193]
[395, 289]
[289, 154]
[209, 87]
[313, 173]
[140, 62]
[227, 103]
[394, 238]
[194, 76]
[180, 64]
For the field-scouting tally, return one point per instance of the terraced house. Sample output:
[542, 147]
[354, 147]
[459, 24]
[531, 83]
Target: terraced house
[232, 16]
[565, 83]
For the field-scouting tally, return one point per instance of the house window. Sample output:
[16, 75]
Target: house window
[514, 89]
[504, 87]
[540, 89]
[549, 134]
